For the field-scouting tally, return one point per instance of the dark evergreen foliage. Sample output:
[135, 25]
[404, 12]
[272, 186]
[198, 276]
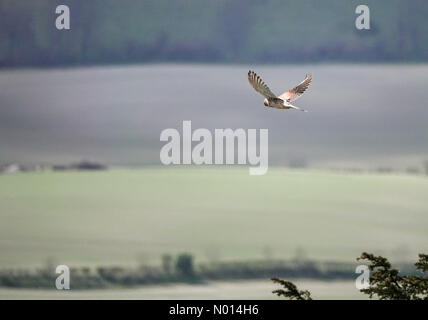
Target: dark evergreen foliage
[386, 283]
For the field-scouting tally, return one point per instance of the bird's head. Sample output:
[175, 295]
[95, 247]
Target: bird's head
[265, 102]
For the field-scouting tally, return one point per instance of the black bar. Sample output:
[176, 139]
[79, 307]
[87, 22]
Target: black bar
[209, 309]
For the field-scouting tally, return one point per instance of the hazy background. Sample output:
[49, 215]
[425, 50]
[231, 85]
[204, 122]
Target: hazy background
[364, 116]
[360, 115]
[348, 176]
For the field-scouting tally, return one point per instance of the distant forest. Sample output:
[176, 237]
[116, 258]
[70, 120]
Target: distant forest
[229, 31]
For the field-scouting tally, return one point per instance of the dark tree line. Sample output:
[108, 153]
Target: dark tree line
[239, 31]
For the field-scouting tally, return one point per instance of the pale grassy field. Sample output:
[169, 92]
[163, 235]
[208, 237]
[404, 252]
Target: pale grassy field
[255, 289]
[124, 217]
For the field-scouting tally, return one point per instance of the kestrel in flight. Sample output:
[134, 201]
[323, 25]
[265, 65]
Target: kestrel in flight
[283, 101]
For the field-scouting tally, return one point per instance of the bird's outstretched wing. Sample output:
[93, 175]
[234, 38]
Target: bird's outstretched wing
[297, 91]
[259, 85]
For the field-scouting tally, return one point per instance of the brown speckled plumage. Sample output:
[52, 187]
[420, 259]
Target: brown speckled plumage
[283, 101]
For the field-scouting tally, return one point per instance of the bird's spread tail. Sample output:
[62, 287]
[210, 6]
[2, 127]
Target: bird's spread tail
[294, 107]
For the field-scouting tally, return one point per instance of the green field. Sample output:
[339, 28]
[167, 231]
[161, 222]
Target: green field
[125, 216]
